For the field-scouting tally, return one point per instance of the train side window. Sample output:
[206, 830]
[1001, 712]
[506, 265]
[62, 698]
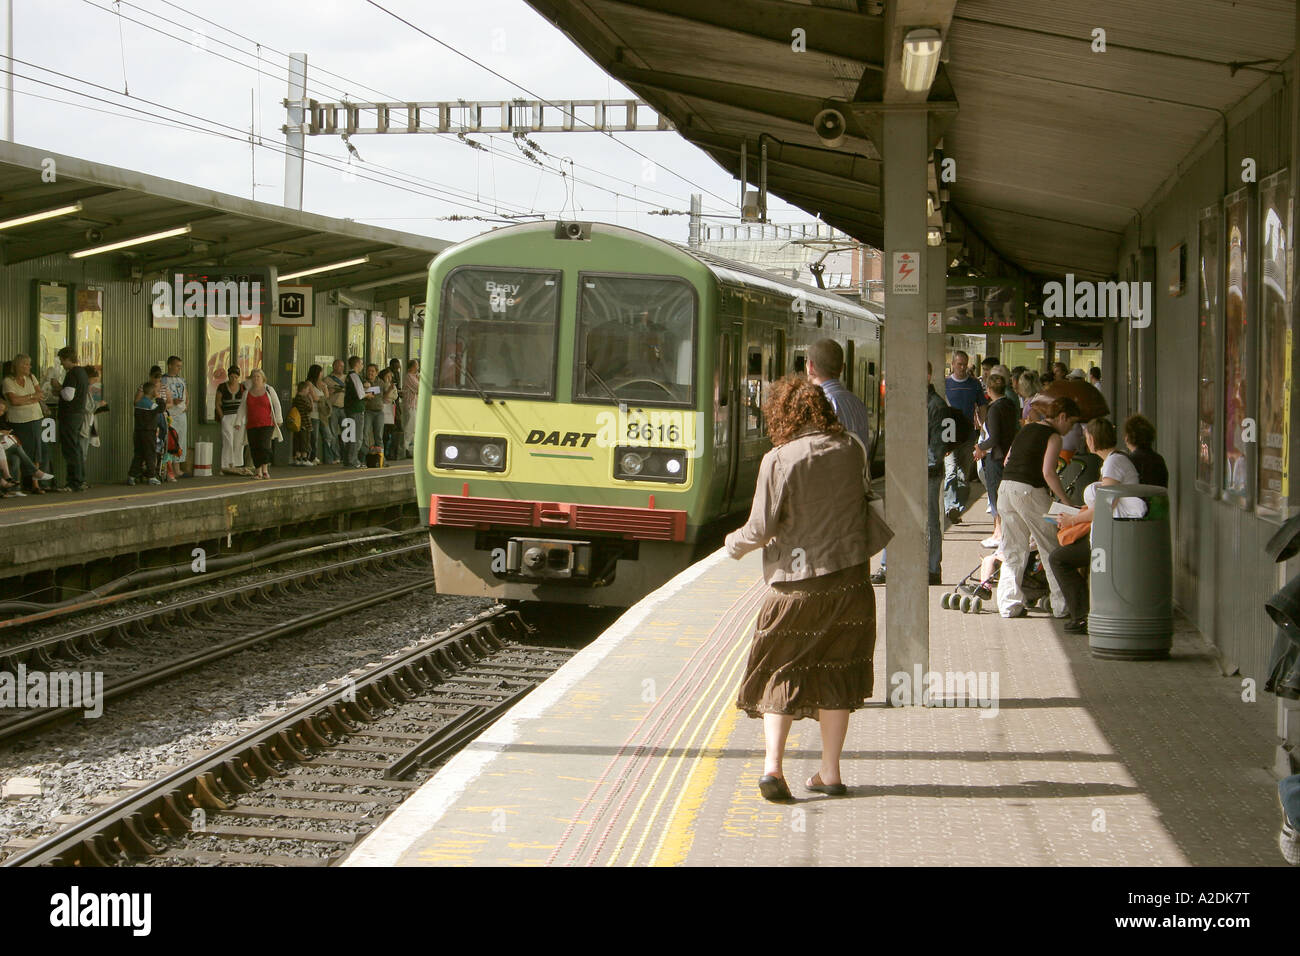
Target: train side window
[724, 369]
[848, 365]
[754, 391]
[800, 363]
[778, 354]
[871, 368]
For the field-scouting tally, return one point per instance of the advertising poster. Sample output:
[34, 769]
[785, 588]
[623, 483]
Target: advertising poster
[1274, 344]
[217, 350]
[51, 325]
[378, 354]
[1236, 316]
[90, 326]
[1207, 346]
[356, 334]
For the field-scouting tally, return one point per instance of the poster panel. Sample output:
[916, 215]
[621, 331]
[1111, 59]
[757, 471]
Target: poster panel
[217, 349]
[1236, 317]
[1274, 414]
[1207, 346]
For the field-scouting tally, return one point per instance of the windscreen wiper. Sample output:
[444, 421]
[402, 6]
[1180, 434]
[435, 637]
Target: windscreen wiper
[596, 376]
[477, 387]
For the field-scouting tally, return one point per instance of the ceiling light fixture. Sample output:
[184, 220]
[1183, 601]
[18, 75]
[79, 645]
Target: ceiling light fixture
[920, 58]
[360, 261]
[39, 216]
[127, 243]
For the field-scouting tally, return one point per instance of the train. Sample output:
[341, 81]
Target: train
[590, 411]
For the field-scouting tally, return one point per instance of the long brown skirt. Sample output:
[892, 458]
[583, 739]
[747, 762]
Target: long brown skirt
[813, 646]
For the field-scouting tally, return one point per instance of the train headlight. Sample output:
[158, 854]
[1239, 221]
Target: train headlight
[650, 464]
[469, 453]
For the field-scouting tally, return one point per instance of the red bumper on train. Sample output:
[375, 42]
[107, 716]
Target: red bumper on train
[642, 524]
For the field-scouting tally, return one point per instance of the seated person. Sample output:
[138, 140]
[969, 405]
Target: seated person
[1071, 562]
[14, 460]
[1139, 436]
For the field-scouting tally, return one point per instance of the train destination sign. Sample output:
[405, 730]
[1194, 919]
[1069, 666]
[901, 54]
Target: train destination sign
[978, 306]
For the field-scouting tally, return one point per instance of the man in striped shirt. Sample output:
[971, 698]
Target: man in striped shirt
[825, 365]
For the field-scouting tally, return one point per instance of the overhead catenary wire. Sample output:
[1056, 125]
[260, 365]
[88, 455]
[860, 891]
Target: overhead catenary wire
[241, 137]
[339, 90]
[451, 193]
[520, 86]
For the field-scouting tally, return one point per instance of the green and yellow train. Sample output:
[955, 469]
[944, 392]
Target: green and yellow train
[591, 405]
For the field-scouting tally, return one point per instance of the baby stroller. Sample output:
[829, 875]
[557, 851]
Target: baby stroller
[981, 583]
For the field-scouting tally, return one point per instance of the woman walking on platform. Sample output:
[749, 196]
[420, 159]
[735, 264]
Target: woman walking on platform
[259, 418]
[816, 632]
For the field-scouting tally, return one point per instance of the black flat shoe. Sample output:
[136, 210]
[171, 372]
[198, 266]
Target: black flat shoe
[1077, 627]
[773, 788]
[830, 789]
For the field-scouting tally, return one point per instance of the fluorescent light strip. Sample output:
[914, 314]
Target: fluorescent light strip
[329, 268]
[126, 243]
[39, 216]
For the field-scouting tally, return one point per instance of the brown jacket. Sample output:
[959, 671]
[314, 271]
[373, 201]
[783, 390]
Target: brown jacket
[807, 515]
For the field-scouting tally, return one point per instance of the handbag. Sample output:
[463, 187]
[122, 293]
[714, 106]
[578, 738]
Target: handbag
[1073, 533]
[878, 531]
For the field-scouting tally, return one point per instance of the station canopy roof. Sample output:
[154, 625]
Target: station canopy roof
[1057, 147]
[225, 231]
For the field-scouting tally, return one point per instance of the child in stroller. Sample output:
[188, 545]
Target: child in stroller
[982, 582]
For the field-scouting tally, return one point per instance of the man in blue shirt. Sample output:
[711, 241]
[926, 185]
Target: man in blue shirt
[825, 365]
[965, 393]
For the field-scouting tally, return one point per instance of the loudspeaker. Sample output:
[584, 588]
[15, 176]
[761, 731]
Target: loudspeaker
[829, 126]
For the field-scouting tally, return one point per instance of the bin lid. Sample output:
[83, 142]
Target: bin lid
[1286, 542]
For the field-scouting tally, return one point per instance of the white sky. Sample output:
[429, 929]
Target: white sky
[91, 43]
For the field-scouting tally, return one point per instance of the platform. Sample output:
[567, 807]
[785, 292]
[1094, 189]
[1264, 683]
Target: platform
[59, 530]
[635, 754]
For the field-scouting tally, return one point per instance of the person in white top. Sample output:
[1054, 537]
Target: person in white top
[177, 398]
[1070, 562]
[24, 395]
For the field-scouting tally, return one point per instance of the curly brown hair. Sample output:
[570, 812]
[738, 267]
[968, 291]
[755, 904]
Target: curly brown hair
[794, 403]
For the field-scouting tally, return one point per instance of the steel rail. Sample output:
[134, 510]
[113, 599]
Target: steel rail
[126, 829]
[26, 722]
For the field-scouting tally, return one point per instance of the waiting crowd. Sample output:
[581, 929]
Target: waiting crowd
[351, 416]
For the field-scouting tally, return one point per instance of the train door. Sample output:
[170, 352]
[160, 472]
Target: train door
[849, 351]
[729, 421]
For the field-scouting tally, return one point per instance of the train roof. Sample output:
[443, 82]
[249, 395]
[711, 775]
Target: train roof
[724, 270]
[746, 274]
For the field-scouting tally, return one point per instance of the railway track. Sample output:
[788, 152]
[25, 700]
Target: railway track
[301, 788]
[137, 650]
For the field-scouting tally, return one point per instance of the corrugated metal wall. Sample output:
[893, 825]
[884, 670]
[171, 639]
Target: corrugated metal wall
[132, 346]
[1221, 575]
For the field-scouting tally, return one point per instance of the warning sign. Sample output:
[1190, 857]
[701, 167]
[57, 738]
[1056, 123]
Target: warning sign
[907, 273]
[934, 322]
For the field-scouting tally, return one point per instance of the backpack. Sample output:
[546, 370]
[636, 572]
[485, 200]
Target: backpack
[295, 420]
[962, 428]
[173, 441]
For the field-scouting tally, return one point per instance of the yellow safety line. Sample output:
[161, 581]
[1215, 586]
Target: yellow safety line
[679, 832]
[723, 673]
[725, 692]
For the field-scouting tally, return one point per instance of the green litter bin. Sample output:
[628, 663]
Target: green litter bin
[1131, 614]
